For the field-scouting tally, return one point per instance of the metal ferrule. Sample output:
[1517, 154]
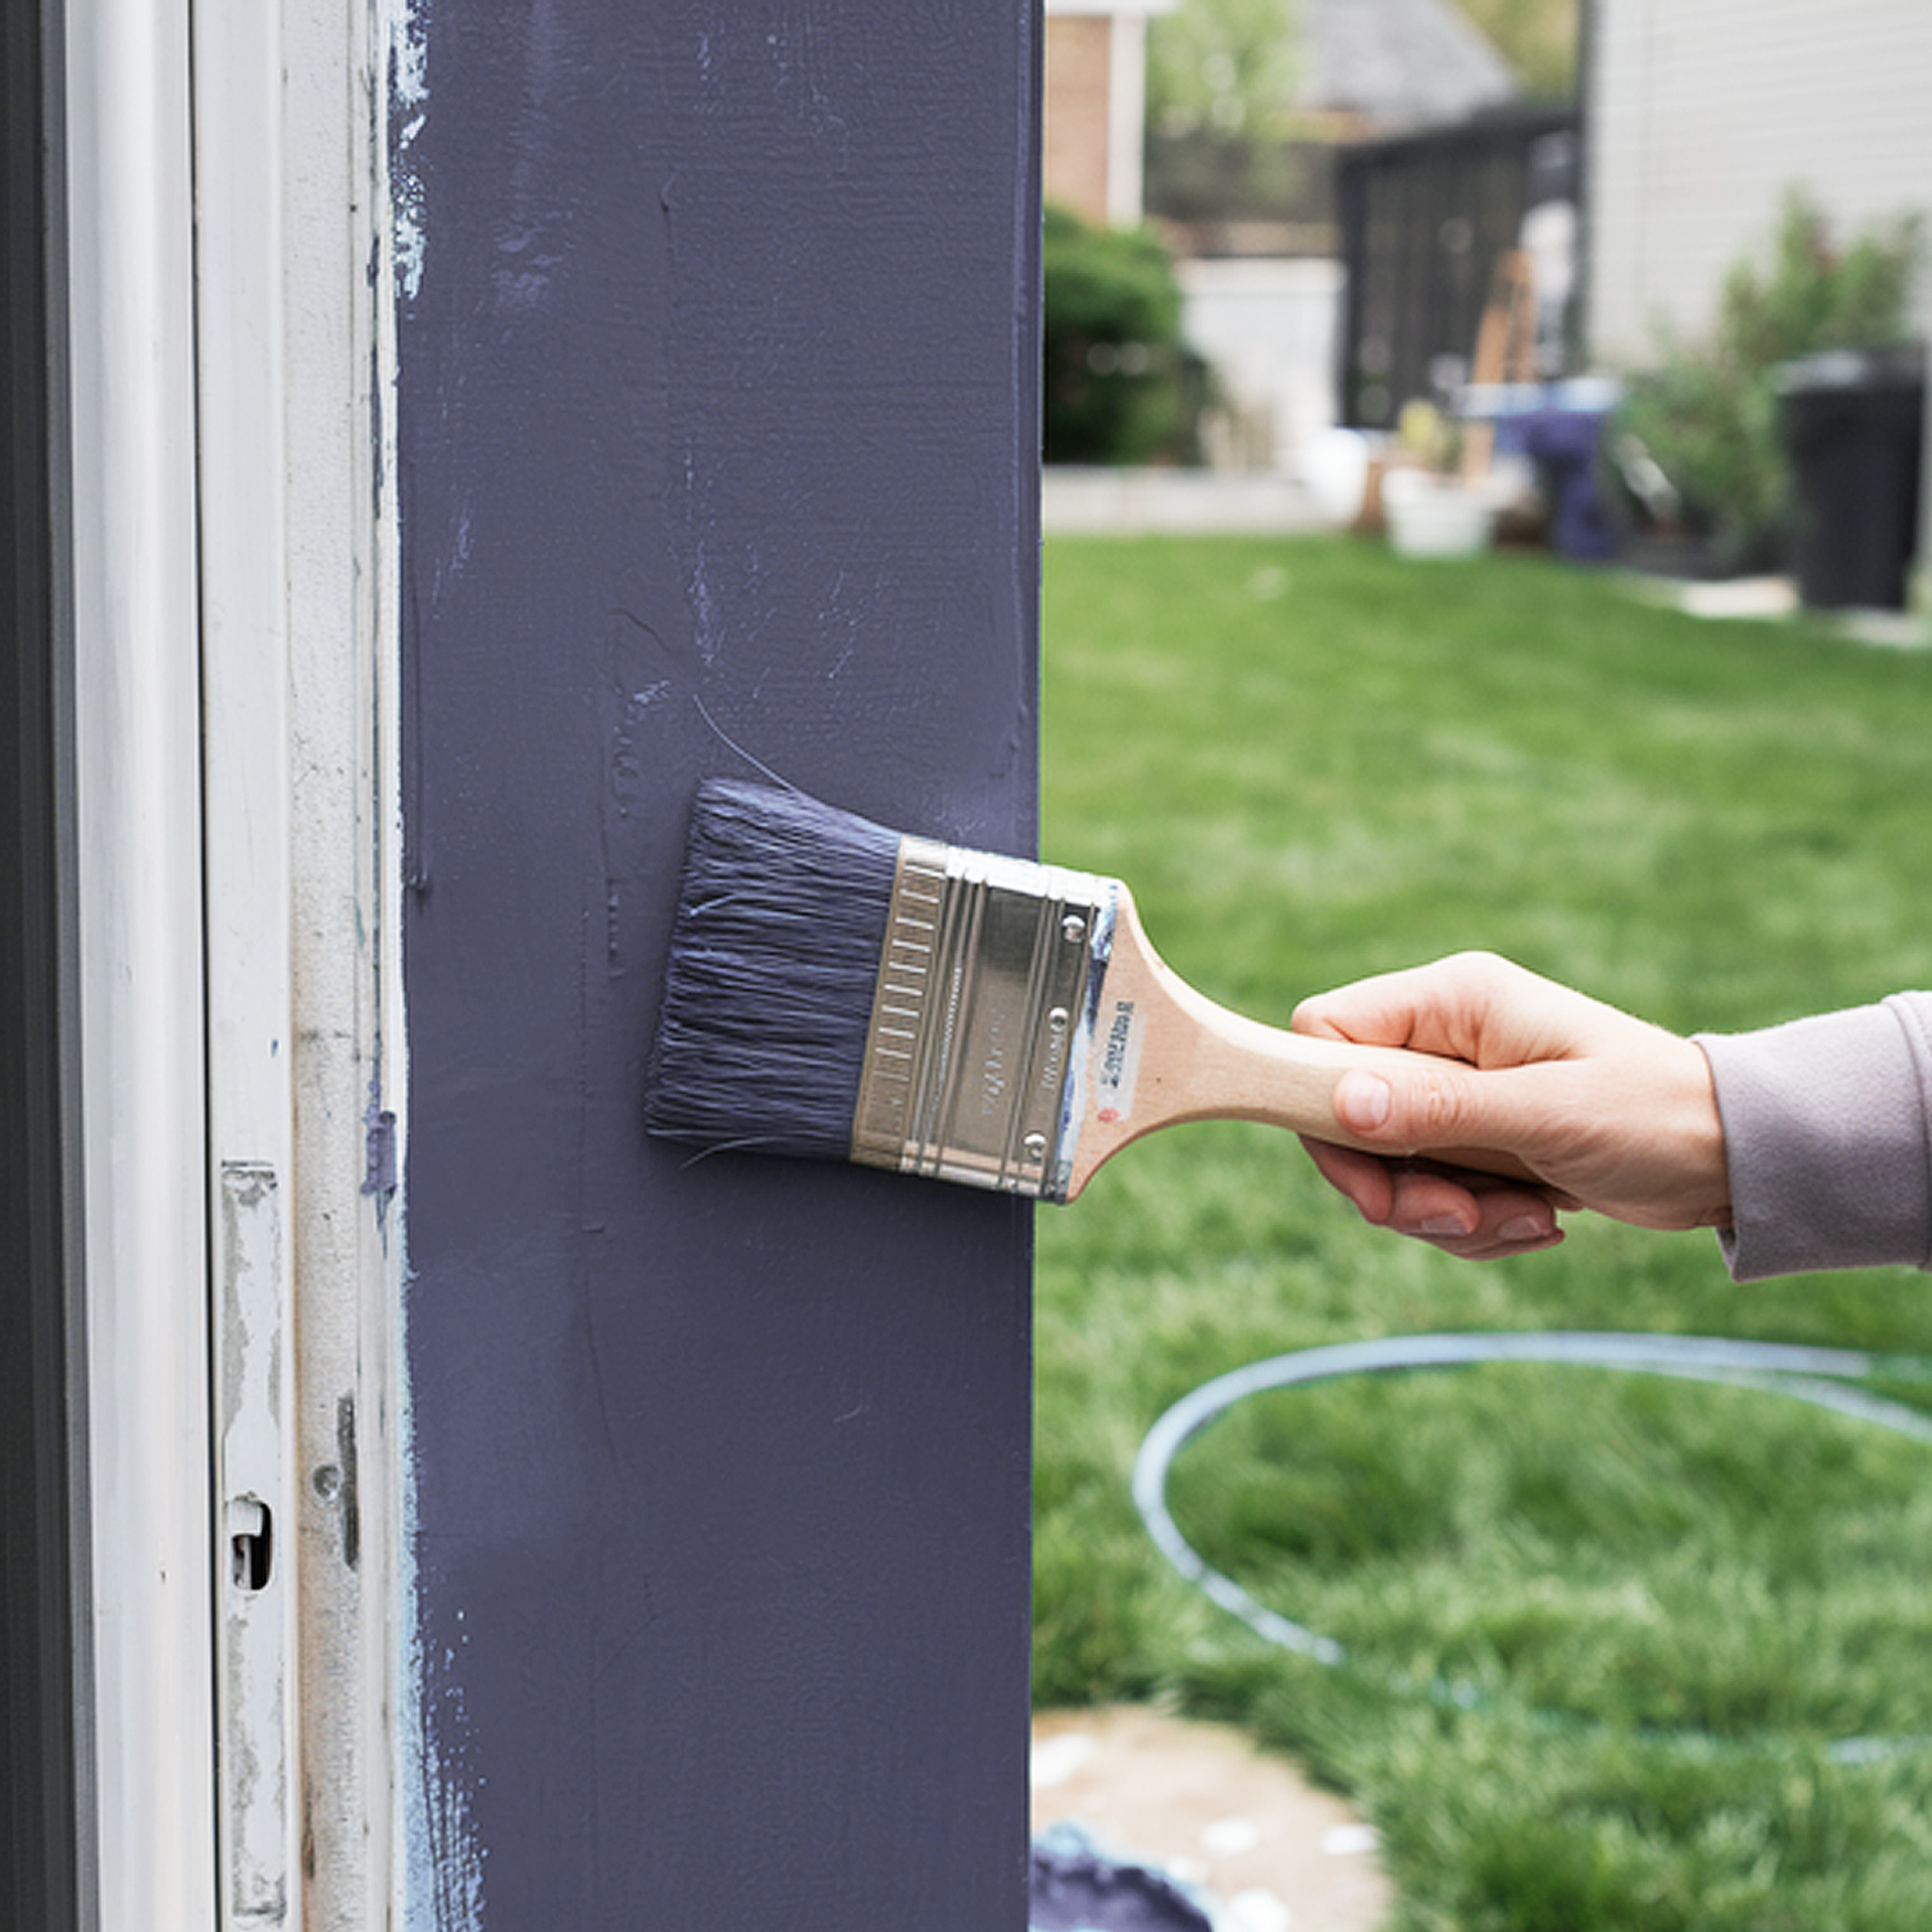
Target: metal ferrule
[975, 1050]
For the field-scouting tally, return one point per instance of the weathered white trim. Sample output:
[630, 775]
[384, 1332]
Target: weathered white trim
[243, 466]
[139, 918]
[240, 1046]
[301, 700]
[344, 870]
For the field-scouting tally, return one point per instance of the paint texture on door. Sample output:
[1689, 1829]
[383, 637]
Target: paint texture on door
[717, 406]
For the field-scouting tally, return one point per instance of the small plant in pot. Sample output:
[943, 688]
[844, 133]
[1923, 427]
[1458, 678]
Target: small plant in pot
[1693, 465]
[1432, 507]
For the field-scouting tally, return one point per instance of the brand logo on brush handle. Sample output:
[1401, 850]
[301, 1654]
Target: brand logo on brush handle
[1120, 1065]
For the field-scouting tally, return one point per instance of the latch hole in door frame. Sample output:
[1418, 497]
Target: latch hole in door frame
[251, 1544]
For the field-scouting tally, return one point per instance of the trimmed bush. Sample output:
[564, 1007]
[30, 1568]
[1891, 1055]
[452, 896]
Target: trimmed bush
[1116, 375]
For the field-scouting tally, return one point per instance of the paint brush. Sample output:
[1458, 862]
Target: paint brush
[839, 991]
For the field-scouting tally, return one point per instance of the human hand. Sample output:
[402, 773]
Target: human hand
[1605, 1111]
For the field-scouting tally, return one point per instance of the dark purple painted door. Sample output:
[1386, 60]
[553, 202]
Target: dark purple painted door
[717, 430]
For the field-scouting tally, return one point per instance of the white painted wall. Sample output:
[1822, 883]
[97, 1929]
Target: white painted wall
[1268, 326]
[1701, 112]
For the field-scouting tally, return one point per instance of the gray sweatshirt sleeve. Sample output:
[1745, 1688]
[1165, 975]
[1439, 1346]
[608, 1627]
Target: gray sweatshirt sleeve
[1828, 1132]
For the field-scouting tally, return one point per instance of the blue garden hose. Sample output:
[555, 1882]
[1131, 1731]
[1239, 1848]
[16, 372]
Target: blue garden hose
[1824, 1377]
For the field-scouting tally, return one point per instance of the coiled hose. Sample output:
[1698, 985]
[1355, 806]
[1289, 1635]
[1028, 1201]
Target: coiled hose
[1824, 1377]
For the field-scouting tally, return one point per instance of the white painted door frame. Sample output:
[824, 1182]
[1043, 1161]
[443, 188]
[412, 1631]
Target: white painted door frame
[239, 1012]
[138, 839]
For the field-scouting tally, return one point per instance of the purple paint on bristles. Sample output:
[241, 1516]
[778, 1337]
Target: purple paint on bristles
[773, 963]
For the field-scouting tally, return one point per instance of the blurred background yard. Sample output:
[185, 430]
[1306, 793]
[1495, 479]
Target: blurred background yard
[1573, 263]
[1313, 760]
[1308, 261]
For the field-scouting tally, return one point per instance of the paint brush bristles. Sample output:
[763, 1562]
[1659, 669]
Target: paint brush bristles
[774, 961]
[842, 991]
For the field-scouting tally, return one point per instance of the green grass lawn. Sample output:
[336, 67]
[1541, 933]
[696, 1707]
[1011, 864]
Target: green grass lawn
[1313, 761]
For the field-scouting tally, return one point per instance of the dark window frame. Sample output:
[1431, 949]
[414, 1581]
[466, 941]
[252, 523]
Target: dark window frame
[41, 1741]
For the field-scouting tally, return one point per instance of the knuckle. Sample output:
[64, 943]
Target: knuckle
[1439, 1109]
[1480, 969]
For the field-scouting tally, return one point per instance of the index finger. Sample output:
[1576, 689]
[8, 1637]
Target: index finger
[1473, 1007]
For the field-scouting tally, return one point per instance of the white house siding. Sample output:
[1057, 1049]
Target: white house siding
[1702, 113]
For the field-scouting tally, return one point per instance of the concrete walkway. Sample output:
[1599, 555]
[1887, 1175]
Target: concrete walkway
[1126, 503]
[1200, 1803]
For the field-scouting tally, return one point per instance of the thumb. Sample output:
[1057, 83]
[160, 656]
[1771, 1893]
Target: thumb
[1432, 1105]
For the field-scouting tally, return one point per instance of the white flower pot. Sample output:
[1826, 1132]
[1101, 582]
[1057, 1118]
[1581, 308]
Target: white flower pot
[1431, 516]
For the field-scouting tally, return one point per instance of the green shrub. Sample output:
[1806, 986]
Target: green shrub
[1707, 415]
[1116, 375]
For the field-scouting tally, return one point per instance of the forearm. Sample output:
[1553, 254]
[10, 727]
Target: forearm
[1828, 1132]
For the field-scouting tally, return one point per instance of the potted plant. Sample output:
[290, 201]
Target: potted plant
[1433, 510]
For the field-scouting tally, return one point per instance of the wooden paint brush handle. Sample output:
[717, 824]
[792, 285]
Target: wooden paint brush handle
[1163, 1054]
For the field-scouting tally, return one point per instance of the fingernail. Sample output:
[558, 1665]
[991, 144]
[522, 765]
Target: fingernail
[1362, 1101]
[1525, 1227]
[1444, 1224]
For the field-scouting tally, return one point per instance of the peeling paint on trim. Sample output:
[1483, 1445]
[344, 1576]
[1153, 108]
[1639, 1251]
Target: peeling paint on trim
[403, 29]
